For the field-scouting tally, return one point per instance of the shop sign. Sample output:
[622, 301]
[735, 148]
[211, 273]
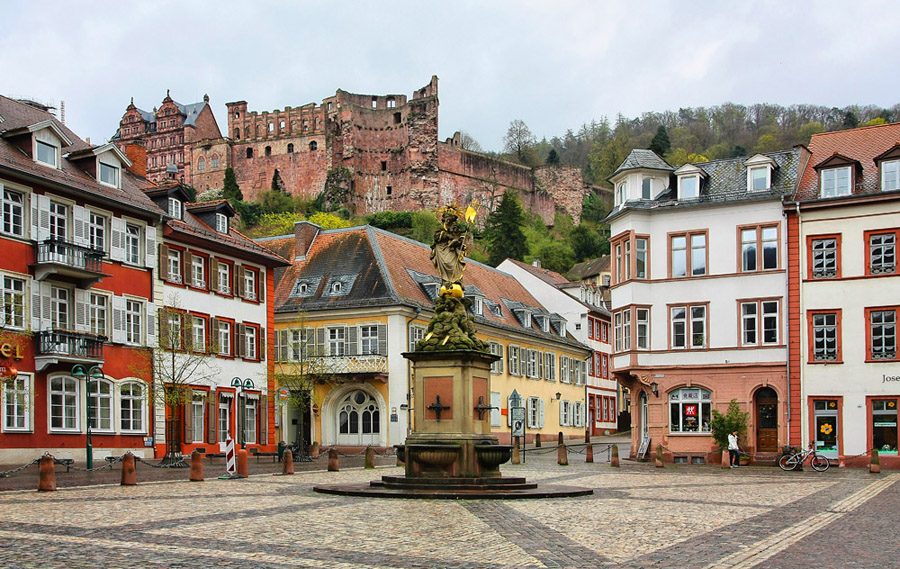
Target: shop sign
[690, 410]
[8, 350]
[283, 394]
[886, 423]
[8, 372]
[887, 378]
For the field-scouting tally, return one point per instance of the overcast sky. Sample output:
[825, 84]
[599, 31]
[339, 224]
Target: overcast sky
[553, 64]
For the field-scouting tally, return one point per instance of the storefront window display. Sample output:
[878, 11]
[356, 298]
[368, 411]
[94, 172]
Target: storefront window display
[826, 425]
[884, 426]
[689, 410]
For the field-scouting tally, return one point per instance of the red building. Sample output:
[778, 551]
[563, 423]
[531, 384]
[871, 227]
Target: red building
[79, 244]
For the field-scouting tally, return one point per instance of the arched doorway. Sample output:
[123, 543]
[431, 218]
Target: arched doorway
[766, 420]
[358, 417]
[645, 427]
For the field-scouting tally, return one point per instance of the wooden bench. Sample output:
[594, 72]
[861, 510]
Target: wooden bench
[67, 462]
[212, 455]
[256, 452]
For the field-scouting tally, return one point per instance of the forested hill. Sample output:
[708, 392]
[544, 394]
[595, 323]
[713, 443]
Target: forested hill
[689, 135]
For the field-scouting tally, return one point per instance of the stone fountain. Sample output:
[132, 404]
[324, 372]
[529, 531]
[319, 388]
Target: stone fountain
[452, 452]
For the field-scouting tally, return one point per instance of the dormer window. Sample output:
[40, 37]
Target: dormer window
[46, 153]
[622, 193]
[890, 175]
[108, 174]
[759, 179]
[688, 187]
[221, 223]
[337, 287]
[477, 306]
[836, 182]
[175, 208]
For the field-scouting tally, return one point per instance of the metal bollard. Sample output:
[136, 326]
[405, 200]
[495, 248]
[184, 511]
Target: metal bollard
[46, 475]
[129, 475]
[196, 467]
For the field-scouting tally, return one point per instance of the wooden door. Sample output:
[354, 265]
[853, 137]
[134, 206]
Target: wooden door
[766, 420]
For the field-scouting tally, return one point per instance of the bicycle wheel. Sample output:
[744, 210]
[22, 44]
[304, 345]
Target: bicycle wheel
[819, 463]
[788, 462]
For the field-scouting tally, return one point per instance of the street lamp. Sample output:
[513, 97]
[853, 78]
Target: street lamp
[241, 385]
[93, 372]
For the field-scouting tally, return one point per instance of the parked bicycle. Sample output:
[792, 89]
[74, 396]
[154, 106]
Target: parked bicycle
[795, 461]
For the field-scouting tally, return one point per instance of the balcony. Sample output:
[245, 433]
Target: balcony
[56, 346]
[370, 366]
[57, 257]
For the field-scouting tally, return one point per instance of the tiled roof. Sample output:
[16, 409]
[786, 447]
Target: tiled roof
[236, 242]
[384, 265]
[860, 144]
[546, 275]
[641, 158]
[589, 268]
[726, 181]
[18, 115]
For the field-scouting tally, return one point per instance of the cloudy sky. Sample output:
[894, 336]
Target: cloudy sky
[553, 64]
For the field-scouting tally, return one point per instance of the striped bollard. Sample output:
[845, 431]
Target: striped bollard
[230, 467]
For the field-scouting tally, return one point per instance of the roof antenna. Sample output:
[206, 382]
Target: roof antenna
[62, 112]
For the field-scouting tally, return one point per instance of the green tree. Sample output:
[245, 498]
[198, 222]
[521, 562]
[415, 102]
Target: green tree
[660, 143]
[553, 157]
[587, 243]
[275, 202]
[767, 143]
[230, 189]
[593, 209]
[733, 420]
[423, 224]
[875, 122]
[503, 231]
[556, 256]
[808, 129]
[328, 221]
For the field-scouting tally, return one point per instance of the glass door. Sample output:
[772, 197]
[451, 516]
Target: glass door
[826, 426]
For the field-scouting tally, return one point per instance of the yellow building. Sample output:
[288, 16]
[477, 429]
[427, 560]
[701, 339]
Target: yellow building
[355, 299]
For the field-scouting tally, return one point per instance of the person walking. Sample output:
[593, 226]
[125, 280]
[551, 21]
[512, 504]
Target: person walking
[733, 449]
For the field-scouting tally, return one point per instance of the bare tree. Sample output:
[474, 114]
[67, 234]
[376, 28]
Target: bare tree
[181, 360]
[467, 142]
[519, 141]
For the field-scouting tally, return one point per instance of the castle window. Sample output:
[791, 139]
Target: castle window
[246, 132]
[249, 153]
[383, 166]
[281, 126]
[237, 115]
[237, 134]
[374, 102]
[313, 145]
[330, 105]
[271, 127]
[214, 161]
[305, 125]
[389, 188]
[291, 148]
[268, 150]
[391, 103]
[201, 164]
[397, 118]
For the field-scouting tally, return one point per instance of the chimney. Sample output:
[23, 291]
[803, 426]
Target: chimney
[138, 156]
[304, 234]
[536, 262]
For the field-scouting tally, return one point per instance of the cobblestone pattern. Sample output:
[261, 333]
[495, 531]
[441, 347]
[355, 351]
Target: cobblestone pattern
[637, 517]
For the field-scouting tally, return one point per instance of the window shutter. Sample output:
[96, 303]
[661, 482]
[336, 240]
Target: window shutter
[261, 354]
[81, 311]
[562, 415]
[500, 361]
[117, 239]
[495, 413]
[36, 320]
[151, 324]
[540, 365]
[213, 336]
[320, 341]
[187, 268]
[530, 411]
[118, 310]
[261, 286]
[212, 419]
[35, 217]
[540, 413]
[79, 218]
[351, 348]
[40, 218]
[188, 422]
[238, 288]
[213, 277]
[382, 340]
[263, 419]
[150, 242]
[239, 340]
[163, 262]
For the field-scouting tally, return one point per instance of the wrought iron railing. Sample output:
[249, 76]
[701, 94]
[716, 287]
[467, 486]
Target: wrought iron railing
[69, 254]
[351, 364]
[67, 343]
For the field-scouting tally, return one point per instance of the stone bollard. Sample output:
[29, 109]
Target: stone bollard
[314, 449]
[129, 475]
[287, 462]
[46, 475]
[589, 453]
[537, 441]
[562, 455]
[874, 462]
[243, 469]
[516, 458]
[196, 467]
[370, 458]
[659, 457]
[614, 456]
[726, 459]
[333, 463]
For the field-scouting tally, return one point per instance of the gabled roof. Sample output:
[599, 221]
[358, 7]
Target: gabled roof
[861, 145]
[550, 277]
[589, 268]
[382, 269]
[640, 158]
[69, 176]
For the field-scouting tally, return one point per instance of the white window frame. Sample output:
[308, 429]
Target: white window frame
[681, 189]
[368, 340]
[690, 323]
[415, 332]
[15, 206]
[97, 231]
[99, 313]
[549, 366]
[532, 364]
[98, 400]
[198, 271]
[251, 338]
[198, 417]
[513, 353]
[565, 413]
[221, 223]
[250, 283]
[223, 337]
[18, 397]
[890, 175]
[622, 193]
[833, 176]
[70, 405]
[223, 271]
[335, 340]
[646, 188]
[751, 178]
[174, 266]
[38, 144]
[198, 334]
[132, 238]
[12, 302]
[102, 168]
[251, 413]
[134, 316]
[174, 208]
[497, 350]
[685, 396]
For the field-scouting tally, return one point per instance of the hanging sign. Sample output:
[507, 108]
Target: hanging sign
[283, 394]
[8, 373]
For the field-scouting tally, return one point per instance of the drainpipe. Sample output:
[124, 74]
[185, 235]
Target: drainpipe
[409, 376]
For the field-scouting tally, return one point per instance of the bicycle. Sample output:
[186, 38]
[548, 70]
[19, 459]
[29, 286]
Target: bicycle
[796, 460]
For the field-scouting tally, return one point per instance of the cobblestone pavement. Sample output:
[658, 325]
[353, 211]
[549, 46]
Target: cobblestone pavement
[638, 516]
